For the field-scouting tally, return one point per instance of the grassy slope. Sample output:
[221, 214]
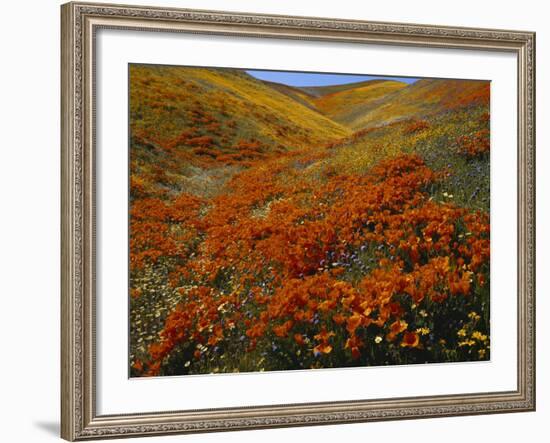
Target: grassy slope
[319, 91]
[222, 95]
[449, 109]
[347, 105]
[424, 97]
[184, 119]
[377, 102]
[467, 180]
[298, 94]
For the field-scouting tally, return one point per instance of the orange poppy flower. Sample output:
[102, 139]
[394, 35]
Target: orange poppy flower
[299, 339]
[410, 340]
[353, 343]
[282, 330]
[353, 323]
[324, 335]
[138, 366]
[323, 348]
[396, 328]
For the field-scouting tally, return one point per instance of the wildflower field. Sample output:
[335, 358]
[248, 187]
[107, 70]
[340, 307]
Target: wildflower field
[275, 227]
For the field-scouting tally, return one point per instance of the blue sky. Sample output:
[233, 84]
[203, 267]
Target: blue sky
[318, 79]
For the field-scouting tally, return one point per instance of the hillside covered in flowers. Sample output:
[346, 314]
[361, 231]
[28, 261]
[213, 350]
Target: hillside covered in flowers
[274, 227]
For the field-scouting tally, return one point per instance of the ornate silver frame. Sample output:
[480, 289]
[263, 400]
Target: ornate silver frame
[80, 21]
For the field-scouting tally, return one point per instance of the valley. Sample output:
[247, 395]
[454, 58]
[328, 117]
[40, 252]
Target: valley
[278, 227]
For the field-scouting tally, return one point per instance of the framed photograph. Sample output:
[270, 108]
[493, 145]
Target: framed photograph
[282, 221]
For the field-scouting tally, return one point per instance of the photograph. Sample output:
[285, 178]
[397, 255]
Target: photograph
[286, 220]
[283, 217]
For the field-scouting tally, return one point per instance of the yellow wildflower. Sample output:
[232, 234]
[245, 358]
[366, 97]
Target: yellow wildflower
[479, 336]
[474, 316]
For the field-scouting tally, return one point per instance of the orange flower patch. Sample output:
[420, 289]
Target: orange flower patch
[410, 340]
[271, 259]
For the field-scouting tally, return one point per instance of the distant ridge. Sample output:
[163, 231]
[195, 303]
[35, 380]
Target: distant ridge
[299, 94]
[319, 91]
[341, 103]
[205, 118]
[374, 102]
[344, 103]
[425, 97]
